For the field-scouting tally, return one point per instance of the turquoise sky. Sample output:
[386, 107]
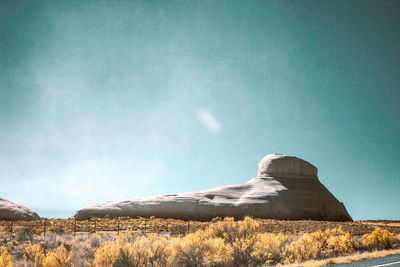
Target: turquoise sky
[113, 100]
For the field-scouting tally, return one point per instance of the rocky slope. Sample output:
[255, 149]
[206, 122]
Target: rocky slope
[12, 211]
[286, 187]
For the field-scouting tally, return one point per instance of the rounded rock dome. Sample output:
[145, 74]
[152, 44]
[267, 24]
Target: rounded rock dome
[286, 166]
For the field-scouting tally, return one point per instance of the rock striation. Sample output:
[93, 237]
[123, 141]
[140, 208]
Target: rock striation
[285, 187]
[12, 211]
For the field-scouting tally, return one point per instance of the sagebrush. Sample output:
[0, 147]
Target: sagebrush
[221, 243]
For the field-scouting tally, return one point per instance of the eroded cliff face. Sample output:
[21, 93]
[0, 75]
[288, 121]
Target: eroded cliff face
[286, 187]
[12, 211]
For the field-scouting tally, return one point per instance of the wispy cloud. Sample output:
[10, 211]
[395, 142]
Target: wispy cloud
[209, 121]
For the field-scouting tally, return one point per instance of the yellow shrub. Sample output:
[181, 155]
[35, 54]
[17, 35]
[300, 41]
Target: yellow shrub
[106, 254]
[81, 254]
[240, 235]
[56, 258]
[5, 258]
[269, 248]
[230, 230]
[128, 255]
[153, 249]
[150, 250]
[33, 255]
[145, 251]
[338, 243]
[217, 252]
[58, 226]
[318, 245]
[306, 247]
[197, 249]
[188, 250]
[379, 239]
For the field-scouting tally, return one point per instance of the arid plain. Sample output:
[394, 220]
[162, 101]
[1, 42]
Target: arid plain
[220, 242]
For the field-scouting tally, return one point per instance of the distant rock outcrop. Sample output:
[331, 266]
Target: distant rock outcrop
[286, 187]
[12, 211]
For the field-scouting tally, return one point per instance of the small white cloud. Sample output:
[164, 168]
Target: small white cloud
[209, 120]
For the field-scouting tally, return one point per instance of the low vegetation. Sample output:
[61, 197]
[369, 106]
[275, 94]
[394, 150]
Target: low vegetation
[223, 242]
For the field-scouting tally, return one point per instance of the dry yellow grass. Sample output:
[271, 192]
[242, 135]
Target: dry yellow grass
[395, 224]
[345, 259]
[219, 243]
[5, 258]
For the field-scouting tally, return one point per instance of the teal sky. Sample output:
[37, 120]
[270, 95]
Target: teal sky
[113, 100]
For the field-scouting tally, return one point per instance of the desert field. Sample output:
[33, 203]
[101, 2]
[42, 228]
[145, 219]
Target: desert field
[169, 242]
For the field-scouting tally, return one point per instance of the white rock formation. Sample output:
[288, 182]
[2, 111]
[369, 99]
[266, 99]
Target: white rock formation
[12, 211]
[285, 188]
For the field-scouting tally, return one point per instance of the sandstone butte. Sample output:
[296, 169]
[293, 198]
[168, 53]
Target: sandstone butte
[12, 211]
[285, 187]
